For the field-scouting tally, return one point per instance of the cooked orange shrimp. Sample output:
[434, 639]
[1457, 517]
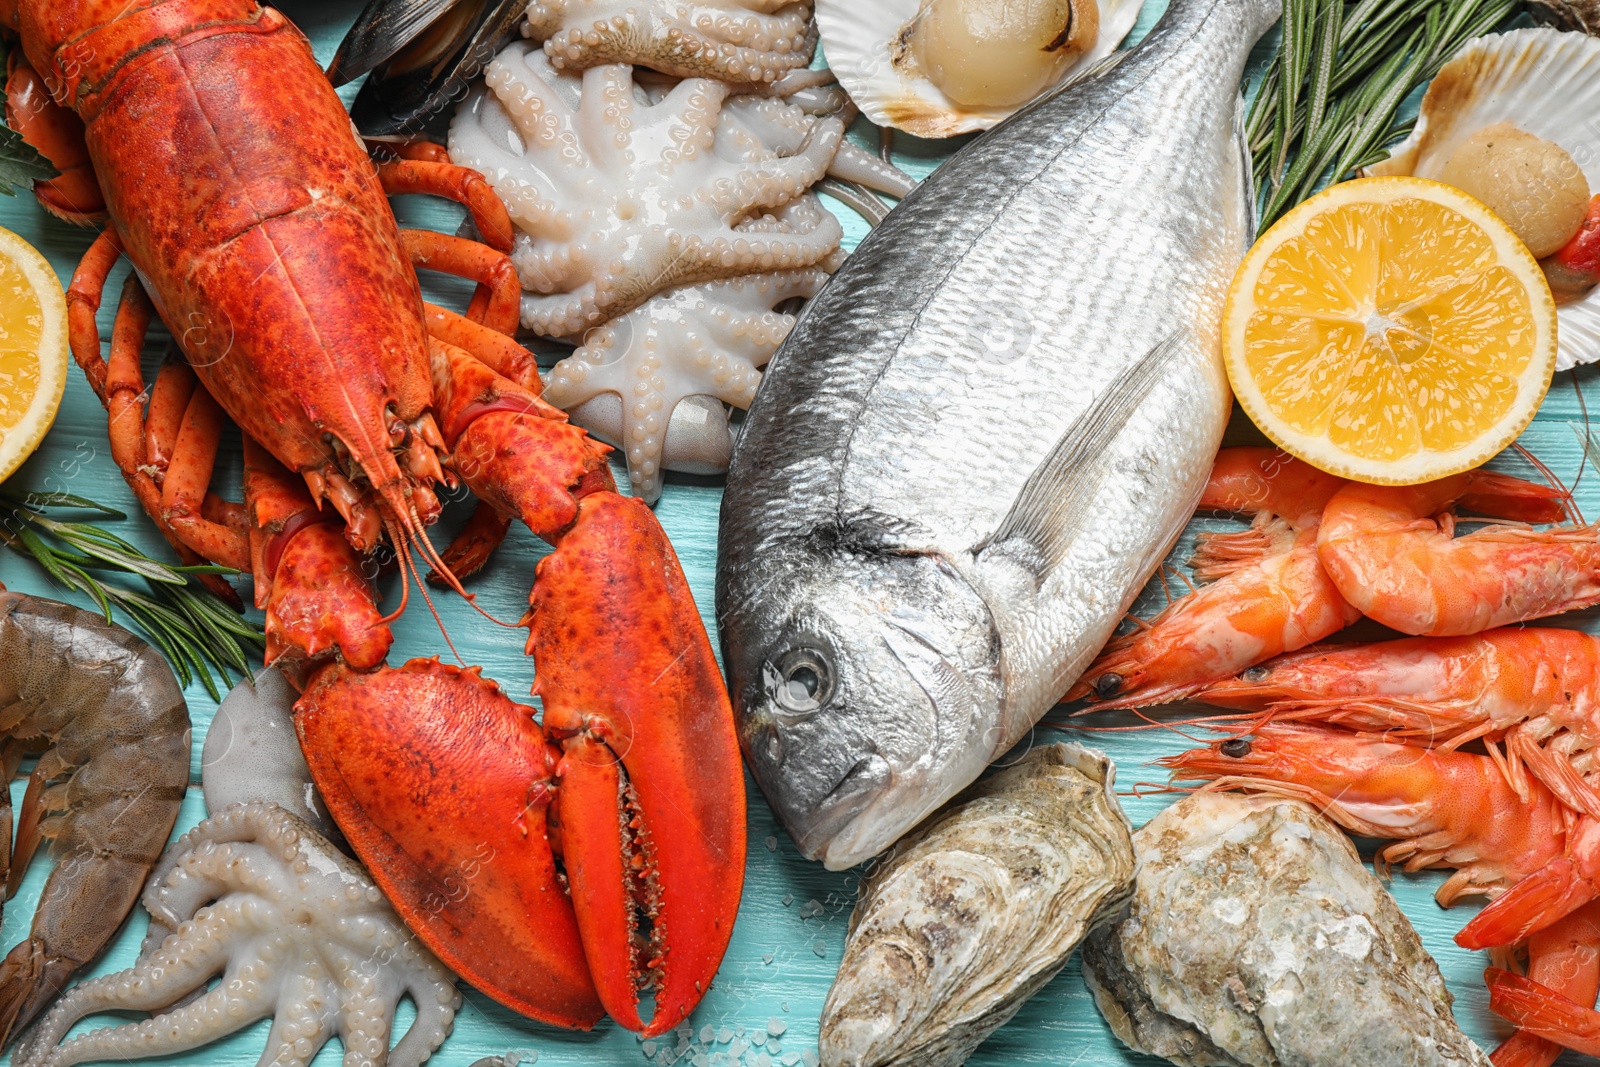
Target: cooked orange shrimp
[1393, 559]
[1441, 809]
[1567, 882]
[1537, 689]
[1556, 995]
[1268, 593]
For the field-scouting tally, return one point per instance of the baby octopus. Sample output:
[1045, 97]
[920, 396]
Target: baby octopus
[293, 928]
[734, 40]
[619, 197]
[696, 340]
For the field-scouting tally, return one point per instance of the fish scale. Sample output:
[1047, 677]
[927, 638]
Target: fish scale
[983, 435]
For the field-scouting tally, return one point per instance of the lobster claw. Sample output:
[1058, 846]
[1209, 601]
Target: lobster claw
[651, 801]
[442, 785]
[460, 804]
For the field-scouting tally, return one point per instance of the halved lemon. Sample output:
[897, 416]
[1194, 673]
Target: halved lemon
[33, 350]
[1390, 330]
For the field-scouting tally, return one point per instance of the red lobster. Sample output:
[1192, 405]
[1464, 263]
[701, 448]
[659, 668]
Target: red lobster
[259, 231]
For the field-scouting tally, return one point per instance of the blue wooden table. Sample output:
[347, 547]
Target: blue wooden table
[764, 1007]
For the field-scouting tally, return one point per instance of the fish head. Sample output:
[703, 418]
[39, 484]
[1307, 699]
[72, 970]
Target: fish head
[868, 693]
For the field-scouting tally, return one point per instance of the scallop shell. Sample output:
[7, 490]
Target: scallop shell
[1544, 82]
[1256, 938]
[972, 915]
[856, 39]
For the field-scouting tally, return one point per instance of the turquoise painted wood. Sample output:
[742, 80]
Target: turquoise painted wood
[764, 1006]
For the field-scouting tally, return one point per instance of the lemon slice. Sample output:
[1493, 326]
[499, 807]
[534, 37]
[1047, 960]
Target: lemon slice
[33, 350]
[1390, 330]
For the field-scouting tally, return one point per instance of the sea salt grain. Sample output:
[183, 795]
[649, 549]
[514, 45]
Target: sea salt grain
[775, 1025]
[708, 1034]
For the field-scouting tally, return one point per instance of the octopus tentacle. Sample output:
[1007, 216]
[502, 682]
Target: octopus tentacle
[298, 932]
[646, 188]
[302, 1027]
[234, 1004]
[756, 41]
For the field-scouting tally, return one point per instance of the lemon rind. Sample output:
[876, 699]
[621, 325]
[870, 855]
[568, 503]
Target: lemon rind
[1426, 465]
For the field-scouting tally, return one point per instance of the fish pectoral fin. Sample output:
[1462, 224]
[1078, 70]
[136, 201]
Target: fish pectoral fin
[1050, 511]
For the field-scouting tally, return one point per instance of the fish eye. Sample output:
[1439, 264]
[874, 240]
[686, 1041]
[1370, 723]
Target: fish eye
[801, 682]
[1236, 748]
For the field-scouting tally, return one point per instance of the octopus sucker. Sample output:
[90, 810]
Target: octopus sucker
[743, 41]
[702, 340]
[620, 195]
[291, 928]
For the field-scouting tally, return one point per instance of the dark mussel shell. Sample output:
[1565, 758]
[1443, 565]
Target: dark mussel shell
[1580, 15]
[422, 54]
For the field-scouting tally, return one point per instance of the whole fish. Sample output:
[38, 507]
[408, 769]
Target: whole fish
[982, 437]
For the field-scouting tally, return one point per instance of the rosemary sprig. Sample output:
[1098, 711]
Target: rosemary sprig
[1327, 104]
[189, 623]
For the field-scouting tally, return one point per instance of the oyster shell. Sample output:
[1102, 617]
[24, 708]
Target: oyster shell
[973, 914]
[865, 45]
[1543, 82]
[1256, 938]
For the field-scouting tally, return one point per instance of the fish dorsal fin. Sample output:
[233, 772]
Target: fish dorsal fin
[1049, 512]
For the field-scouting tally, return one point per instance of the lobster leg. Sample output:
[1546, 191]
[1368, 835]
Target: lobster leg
[466, 187]
[498, 301]
[169, 400]
[476, 542]
[499, 351]
[119, 382]
[487, 527]
[73, 195]
[185, 487]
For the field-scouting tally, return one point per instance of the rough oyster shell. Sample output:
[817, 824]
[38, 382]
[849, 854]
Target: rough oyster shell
[973, 914]
[858, 37]
[1542, 81]
[1256, 938]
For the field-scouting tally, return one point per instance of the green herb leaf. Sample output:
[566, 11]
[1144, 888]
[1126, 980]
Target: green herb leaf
[20, 163]
[1327, 103]
[194, 629]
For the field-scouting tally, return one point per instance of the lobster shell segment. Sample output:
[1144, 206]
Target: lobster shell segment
[631, 688]
[442, 785]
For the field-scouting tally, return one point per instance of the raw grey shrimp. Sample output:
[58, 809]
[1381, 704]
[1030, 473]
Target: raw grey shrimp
[110, 719]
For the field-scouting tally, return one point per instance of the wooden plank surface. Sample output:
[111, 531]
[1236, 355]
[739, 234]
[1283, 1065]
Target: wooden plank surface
[764, 1006]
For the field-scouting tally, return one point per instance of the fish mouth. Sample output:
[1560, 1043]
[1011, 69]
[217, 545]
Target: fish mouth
[873, 807]
[816, 830]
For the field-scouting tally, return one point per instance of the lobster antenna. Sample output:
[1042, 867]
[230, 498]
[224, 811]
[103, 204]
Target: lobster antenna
[408, 570]
[431, 556]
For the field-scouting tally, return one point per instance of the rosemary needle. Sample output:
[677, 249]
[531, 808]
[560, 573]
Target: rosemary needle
[1328, 101]
[194, 629]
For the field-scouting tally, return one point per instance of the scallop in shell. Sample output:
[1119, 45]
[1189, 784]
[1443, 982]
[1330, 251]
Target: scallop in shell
[974, 913]
[937, 68]
[1256, 938]
[1540, 82]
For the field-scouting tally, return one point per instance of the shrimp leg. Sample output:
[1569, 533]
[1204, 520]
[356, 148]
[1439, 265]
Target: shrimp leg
[1564, 959]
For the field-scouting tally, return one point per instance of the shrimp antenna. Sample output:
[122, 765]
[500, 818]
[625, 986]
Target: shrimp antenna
[1583, 455]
